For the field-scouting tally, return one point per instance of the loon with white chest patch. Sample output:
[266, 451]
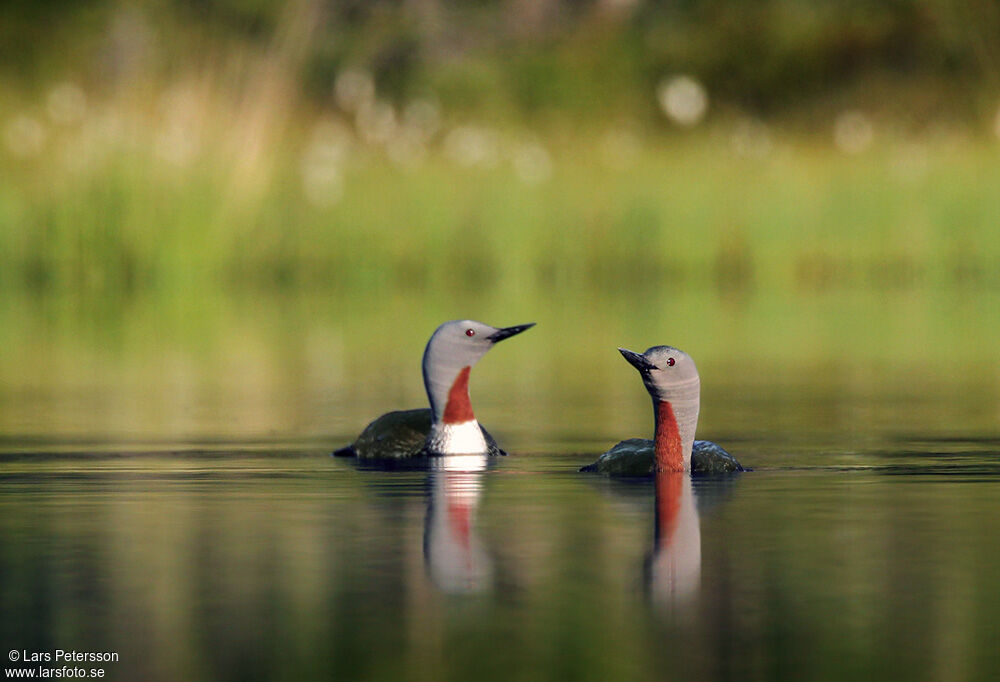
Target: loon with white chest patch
[672, 380]
[449, 426]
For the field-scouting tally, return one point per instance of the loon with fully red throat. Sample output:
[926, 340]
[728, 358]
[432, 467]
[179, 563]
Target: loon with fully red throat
[449, 427]
[671, 378]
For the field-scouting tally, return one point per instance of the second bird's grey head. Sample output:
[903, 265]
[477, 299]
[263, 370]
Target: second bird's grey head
[456, 345]
[669, 373]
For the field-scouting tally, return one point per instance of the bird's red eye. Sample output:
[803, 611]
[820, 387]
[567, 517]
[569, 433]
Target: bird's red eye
[670, 361]
[470, 332]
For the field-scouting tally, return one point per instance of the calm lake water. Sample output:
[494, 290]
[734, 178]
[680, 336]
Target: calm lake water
[270, 561]
[199, 528]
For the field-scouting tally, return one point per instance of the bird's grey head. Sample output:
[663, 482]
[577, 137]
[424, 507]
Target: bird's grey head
[669, 373]
[454, 346]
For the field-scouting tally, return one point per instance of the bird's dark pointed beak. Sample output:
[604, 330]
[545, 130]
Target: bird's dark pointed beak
[636, 360]
[507, 332]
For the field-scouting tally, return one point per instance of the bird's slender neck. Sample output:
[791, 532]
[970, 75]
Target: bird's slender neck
[446, 379]
[454, 429]
[676, 416]
[667, 439]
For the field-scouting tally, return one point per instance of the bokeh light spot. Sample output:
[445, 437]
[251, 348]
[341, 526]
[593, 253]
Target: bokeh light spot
[853, 132]
[532, 163]
[472, 146]
[353, 89]
[683, 99]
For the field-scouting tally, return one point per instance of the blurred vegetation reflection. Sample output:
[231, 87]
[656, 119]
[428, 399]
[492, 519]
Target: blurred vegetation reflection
[245, 200]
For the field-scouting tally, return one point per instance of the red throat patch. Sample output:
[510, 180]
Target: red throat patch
[459, 409]
[667, 442]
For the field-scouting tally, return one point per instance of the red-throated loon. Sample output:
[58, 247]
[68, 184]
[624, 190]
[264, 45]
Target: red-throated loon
[449, 427]
[672, 380]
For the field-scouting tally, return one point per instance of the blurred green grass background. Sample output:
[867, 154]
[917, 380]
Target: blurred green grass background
[531, 146]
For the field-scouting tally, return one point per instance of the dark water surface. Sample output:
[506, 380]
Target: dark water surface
[275, 561]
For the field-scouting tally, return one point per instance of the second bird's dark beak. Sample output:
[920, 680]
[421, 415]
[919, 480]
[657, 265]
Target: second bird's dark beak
[636, 360]
[507, 332]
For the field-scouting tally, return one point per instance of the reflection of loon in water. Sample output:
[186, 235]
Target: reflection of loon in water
[673, 568]
[455, 558]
